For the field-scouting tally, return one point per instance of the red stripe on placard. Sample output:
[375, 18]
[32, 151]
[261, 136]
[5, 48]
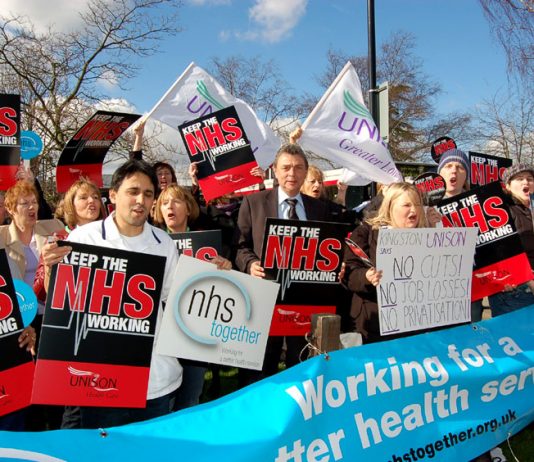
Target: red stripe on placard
[66, 175]
[89, 384]
[492, 279]
[16, 387]
[295, 320]
[7, 176]
[228, 181]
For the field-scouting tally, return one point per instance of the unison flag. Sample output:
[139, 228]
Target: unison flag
[341, 129]
[196, 93]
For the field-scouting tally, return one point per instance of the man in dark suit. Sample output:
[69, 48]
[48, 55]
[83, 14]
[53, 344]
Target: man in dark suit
[285, 201]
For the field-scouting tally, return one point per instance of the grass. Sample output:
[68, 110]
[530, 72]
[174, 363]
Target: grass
[522, 445]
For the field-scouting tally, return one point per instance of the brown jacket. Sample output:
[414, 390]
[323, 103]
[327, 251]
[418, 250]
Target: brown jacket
[253, 214]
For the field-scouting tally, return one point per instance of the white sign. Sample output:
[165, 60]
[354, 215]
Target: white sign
[426, 280]
[217, 316]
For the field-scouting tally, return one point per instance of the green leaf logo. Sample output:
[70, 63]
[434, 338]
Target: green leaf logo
[353, 106]
[203, 90]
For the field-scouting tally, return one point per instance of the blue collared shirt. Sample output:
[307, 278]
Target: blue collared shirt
[283, 206]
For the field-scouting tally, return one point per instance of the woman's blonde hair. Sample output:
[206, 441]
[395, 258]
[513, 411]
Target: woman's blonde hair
[176, 192]
[392, 193]
[315, 173]
[66, 211]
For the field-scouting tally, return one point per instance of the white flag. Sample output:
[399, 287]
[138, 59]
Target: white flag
[196, 93]
[341, 129]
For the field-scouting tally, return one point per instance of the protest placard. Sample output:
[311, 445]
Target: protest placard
[441, 145]
[432, 187]
[98, 328]
[16, 365]
[219, 145]
[426, 280]
[499, 255]
[217, 316]
[84, 154]
[486, 169]
[196, 93]
[204, 245]
[9, 139]
[304, 257]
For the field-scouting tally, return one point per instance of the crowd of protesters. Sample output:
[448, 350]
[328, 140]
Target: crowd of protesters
[149, 204]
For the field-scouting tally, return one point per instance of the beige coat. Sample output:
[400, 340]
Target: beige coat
[14, 249]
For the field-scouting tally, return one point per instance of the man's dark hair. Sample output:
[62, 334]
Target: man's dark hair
[293, 150]
[131, 167]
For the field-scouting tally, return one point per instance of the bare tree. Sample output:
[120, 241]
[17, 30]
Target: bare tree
[512, 23]
[336, 60]
[506, 126]
[59, 75]
[412, 118]
[259, 83]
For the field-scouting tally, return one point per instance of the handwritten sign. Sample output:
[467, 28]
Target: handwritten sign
[426, 279]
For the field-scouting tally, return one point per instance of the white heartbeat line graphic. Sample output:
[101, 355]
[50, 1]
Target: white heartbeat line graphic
[207, 156]
[79, 149]
[82, 330]
[283, 277]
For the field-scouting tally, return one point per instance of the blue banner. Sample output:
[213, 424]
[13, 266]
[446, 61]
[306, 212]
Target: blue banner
[446, 395]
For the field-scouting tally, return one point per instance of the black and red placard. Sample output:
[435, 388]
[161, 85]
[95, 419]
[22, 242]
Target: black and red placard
[432, 187]
[499, 256]
[486, 169]
[16, 365]
[98, 329]
[204, 245]
[304, 257]
[85, 152]
[219, 144]
[439, 146]
[9, 139]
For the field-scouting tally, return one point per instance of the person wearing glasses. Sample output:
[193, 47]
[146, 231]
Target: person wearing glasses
[24, 238]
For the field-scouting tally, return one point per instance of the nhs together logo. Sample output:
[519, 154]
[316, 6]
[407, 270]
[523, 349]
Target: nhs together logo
[214, 307]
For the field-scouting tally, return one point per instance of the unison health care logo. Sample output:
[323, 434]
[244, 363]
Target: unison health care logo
[217, 316]
[353, 106]
[361, 125]
[206, 107]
